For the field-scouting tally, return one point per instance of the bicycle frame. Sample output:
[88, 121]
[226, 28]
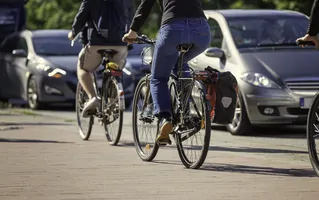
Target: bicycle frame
[183, 97]
[107, 77]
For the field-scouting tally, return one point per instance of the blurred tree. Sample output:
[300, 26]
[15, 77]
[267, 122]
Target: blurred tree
[56, 14]
[51, 14]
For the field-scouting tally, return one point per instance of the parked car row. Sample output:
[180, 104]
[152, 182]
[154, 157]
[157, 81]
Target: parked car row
[277, 79]
[40, 68]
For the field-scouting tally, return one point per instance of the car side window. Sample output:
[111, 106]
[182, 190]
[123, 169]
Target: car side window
[217, 35]
[22, 44]
[9, 44]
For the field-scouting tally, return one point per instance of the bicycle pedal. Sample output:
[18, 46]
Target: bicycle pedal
[164, 143]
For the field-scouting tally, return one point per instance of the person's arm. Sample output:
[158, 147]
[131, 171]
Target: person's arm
[141, 14]
[313, 28]
[81, 18]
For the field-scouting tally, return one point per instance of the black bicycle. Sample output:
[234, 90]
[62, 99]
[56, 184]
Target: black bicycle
[112, 103]
[312, 125]
[192, 123]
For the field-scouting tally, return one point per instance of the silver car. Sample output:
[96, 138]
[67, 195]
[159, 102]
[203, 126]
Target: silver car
[276, 78]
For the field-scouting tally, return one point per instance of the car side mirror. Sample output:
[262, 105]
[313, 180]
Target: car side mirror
[19, 53]
[214, 52]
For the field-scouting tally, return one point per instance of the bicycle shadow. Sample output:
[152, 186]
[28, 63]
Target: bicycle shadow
[248, 169]
[11, 140]
[230, 149]
[255, 150]
[271, 171]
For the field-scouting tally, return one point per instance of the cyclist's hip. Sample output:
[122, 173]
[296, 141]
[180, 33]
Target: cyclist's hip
[185, 30]
[90, 58]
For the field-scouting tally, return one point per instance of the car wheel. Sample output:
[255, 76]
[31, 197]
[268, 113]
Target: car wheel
[240, 124]
[33, 95]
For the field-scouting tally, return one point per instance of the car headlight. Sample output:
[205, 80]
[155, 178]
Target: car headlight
[57, 73]
[260, 80]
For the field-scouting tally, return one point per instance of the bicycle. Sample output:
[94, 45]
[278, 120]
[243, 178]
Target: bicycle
[188, 121]
[312, 125]
[112, 102]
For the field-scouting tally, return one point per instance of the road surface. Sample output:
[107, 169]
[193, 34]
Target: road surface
[42, 157]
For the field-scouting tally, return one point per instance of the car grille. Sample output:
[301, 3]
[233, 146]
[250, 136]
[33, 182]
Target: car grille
[303, 85]
[297, 111]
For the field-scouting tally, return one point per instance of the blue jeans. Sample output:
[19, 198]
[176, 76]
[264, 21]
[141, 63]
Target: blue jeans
[194, 31]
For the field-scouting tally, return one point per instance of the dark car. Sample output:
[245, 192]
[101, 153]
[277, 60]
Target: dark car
[39, 67]
[12, 19]
[134, 70]
[277, 79]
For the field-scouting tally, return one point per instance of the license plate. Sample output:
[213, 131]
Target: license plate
[305, 102]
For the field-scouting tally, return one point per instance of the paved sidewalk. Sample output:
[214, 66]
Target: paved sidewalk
[43, 158]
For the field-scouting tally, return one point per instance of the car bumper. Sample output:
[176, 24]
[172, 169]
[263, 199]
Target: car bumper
[58, 90]
[276, 109]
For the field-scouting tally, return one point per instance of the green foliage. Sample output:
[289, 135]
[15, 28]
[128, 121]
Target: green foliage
[59, 14]
[51, 14]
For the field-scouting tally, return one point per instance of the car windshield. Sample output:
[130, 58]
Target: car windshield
[267, 31]
[55, 46]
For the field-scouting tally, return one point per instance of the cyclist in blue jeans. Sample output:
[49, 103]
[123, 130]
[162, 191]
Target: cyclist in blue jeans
[183, 22]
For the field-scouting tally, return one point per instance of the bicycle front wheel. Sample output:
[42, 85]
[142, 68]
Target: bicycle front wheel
[145, 126]
[193, 143]
[84, 124]
[113, 114]
[313, 133]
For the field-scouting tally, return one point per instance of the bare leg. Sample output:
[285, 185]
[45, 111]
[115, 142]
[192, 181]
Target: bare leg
[86, 81]
[89, 60]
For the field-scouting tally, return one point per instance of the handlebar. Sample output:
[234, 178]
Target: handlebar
[143, 39]
[302, 42]
[72, 41]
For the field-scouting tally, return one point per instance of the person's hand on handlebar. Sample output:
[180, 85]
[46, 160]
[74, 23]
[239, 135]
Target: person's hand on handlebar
[309, 38]
[129, 37]
[70, 35]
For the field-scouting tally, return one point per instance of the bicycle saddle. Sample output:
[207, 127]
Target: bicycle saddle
[105, 52]
[184, 47]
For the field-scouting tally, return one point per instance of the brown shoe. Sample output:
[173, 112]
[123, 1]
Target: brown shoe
[166, 127]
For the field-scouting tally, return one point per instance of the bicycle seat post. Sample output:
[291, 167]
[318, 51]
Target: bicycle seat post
[182, 49]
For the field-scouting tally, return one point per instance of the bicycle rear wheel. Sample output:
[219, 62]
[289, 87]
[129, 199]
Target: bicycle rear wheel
[198, 129]
[84, 124]
[144, 122]
[113, 119]
[313, 133]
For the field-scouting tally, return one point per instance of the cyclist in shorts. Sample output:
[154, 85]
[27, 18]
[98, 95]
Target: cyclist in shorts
[89, 59]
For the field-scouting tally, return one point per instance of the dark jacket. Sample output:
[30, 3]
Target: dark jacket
[130, 9]
[313, 28]
[88, 13]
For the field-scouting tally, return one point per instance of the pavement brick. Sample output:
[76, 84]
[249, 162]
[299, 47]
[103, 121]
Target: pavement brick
[43, 158]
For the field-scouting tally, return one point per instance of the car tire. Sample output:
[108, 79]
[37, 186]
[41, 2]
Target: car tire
[33, 95]
[241, 124]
